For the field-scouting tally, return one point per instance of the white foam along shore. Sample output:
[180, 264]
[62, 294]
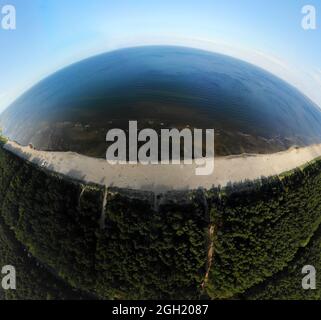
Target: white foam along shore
[166, 177]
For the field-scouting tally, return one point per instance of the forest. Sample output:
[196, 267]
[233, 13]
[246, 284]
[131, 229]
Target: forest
[65, 245]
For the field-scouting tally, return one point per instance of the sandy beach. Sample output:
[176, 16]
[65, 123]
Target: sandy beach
[166, 177]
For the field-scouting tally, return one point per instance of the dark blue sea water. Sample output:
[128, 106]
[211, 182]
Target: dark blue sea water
[159, 86]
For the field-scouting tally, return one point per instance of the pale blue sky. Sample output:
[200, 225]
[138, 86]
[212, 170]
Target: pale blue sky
[51, 34]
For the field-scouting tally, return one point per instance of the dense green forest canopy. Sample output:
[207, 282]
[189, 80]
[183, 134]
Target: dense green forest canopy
[66, 245]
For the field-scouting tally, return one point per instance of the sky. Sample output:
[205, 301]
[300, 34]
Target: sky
[51, 34]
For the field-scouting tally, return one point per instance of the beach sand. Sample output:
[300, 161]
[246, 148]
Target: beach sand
[160, 178]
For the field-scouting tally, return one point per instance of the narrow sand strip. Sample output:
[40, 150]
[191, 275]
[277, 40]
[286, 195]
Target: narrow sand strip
[167, 177]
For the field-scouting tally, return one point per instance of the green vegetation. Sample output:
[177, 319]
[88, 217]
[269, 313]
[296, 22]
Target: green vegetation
[35, 281]
[3, 139]
[261, 226]
[54, 218]
[144, 253]
[287, 283]
[65, 245]
[59, 222]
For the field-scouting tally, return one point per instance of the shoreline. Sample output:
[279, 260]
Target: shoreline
[160, 178]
